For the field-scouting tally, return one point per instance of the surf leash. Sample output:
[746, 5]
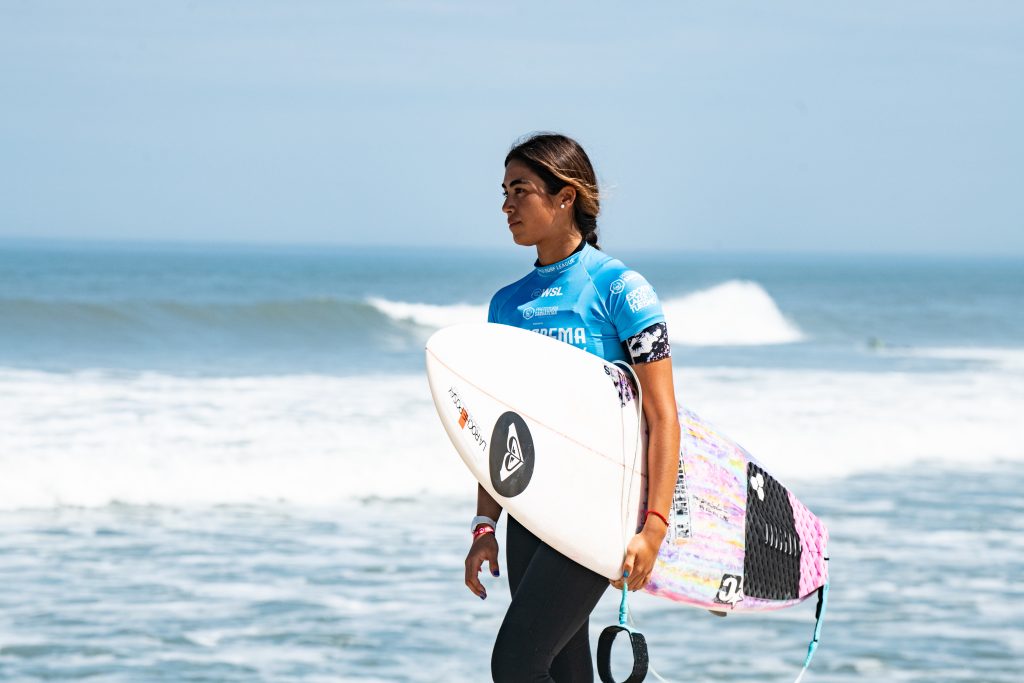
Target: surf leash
[636, 640]
[641, 659]
[819, 617]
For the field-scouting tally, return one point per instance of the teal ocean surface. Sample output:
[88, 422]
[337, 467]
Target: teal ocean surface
[222, 463]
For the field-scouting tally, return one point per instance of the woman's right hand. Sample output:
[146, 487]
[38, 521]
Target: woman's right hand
[485, 547]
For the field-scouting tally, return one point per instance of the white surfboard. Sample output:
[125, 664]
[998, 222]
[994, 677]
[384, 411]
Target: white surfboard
[551, 432]
[540, 425]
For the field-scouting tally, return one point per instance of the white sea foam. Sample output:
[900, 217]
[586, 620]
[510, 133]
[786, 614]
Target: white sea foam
[810, 423]
[430, 315]
[90, 438]
[733, 313]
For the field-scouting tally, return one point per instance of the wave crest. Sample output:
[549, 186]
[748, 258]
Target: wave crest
[734, 313]
[430, 315]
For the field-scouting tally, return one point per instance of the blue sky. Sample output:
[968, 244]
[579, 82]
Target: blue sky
[857, 126]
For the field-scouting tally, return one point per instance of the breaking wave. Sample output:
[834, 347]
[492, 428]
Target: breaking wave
[733, 313]
[430, 315]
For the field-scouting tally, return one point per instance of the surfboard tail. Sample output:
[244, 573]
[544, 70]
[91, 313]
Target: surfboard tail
[738, 540]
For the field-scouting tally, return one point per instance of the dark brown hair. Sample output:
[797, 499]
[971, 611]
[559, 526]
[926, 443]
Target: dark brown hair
[560, 161]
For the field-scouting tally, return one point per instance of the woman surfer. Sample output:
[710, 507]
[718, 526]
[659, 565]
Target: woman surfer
[594, 302]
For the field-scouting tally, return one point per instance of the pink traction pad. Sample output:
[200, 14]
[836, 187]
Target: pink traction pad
[813, 545]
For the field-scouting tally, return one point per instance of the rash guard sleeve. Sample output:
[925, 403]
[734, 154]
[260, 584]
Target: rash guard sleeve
[632, 303]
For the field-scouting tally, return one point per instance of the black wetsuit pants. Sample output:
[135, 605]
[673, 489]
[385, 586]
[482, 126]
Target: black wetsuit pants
[545, 635]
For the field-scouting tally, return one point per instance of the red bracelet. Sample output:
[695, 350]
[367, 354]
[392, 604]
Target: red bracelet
[656, 514]
[481, 530]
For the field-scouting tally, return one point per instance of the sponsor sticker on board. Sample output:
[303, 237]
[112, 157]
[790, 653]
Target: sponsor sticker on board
[511, 455]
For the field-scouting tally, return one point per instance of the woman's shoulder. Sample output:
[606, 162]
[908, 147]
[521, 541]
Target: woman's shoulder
[610, 275]
[508, 289]
[628, 298]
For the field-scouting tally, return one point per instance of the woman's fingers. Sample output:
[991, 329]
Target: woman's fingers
[492, 562]
[641, 574]
[473, 563]
[628, 566]
[637, 566]
[484, 549]
[634, 579]
[639, 581]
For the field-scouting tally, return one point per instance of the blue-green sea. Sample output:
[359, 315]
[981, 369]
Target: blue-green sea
[221, 462]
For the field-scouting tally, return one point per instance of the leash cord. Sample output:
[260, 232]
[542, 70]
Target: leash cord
[819, 618]
[626, 620]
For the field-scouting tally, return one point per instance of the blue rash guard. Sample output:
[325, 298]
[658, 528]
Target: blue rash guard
[589, 300]
[595, 303]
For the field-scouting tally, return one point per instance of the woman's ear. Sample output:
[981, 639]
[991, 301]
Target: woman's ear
[566, 196]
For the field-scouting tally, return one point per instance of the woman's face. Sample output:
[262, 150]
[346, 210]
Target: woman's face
[532, 213]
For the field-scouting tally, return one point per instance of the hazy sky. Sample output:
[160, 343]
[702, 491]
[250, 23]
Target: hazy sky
[837, 126]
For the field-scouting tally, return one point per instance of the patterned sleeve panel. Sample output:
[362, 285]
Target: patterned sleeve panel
[650, 344]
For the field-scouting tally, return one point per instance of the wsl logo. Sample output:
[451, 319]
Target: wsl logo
[511, 455]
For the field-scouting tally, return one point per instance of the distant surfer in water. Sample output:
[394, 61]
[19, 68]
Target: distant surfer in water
[579, 295]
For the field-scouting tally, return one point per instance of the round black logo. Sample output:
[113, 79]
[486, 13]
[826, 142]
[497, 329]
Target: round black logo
[511, 455]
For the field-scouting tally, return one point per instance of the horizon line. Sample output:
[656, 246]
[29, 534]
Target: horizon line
[258, 244]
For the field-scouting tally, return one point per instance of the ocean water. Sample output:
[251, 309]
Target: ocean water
[222, 463]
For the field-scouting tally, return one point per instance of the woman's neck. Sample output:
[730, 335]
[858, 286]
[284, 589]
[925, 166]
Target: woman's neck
[555, 249]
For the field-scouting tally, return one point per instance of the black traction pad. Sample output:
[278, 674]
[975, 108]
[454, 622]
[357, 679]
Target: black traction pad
[771, 563]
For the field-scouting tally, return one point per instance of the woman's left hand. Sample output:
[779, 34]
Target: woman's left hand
[641, 553]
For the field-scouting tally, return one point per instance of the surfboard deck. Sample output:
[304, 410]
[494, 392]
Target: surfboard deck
[550, 432]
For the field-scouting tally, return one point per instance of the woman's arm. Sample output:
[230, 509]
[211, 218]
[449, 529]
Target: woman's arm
[485, 505]
[485, 546]
[662, 467]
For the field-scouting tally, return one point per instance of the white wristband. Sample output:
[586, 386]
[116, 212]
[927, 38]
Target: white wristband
[482, 519]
